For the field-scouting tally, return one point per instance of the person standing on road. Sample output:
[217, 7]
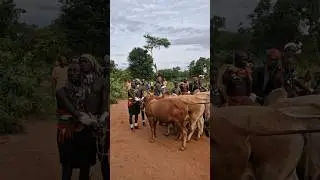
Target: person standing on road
[142, 92]
[104, 139]
[77, 146]
[185, 87]
[176, 91]
[133, 105]
[95, 84]
[194, 85]
[158, 86]
[59, 74]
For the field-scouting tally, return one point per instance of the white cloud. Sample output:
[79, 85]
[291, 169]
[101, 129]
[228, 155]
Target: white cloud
[185, 23]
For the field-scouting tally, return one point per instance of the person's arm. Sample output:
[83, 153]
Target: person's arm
[142, 91]
[104, 97]
[158, 88]
[54, 81]
[250, 83]
[224, 85]
[300, 84]
[62, 96]
[190, 86]
[130, 94]
[255, 79]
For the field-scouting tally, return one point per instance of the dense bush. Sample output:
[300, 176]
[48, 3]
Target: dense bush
[117, 85]
[27, 55]
[22, 88]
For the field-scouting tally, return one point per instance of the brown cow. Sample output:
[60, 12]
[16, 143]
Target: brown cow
[236, 147]
[168, 110]
[313, 152]
[196, 109]
[161, 122]
[206, 115]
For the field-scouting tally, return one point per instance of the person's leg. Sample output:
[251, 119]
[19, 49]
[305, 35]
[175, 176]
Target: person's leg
[66, 172]
[136, 117]
[84, 173]
[105, 168]
[130, 121]
[142, 115]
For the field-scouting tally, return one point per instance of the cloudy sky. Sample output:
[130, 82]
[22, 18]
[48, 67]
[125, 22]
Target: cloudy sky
[235, 11]
[184, 23]
[39, 12]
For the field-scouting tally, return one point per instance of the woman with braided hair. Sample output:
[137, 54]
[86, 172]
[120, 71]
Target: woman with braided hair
[77, 146]
[97, 104]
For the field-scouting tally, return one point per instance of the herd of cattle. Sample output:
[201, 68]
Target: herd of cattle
[278, 141]
[186, 113]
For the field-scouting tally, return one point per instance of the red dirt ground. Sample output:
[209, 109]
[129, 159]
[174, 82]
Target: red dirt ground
[133, 157]
[33, 155]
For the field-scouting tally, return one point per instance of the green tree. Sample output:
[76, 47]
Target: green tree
[199, 67]
[172, 74]
[10, 15]
[21, 78]
[155, 42]
[140, 63]
[86, 25]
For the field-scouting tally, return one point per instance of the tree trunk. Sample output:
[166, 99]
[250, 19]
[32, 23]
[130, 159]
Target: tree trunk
[154, 65]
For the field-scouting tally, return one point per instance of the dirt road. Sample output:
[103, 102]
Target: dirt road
[134, 158]
[33, 155]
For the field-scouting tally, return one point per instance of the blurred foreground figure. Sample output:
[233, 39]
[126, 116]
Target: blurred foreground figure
[236, 81]
[76, 143]
[95, 83]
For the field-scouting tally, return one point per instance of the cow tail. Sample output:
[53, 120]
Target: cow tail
[186, 119]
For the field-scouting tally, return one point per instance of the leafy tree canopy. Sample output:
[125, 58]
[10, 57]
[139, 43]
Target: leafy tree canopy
[140, 63]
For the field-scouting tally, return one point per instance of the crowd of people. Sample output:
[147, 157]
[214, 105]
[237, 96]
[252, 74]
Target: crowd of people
[241, 83]
[138, 89]
[81, 94]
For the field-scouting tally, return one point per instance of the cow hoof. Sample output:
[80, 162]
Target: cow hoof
[166, 134]
[198, 138]
[182, 148]
[151, 140]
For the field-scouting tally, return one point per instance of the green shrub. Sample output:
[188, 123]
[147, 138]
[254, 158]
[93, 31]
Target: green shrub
[117, 86]
[21, 90]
